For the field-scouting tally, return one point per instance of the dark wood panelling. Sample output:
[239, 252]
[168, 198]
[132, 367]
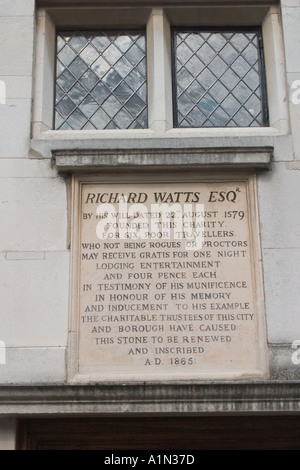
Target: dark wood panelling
[162, 433]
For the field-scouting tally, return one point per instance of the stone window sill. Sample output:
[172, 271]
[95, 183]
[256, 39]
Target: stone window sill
[198, 141]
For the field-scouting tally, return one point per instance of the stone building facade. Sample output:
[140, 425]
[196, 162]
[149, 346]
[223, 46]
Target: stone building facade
[39, 161]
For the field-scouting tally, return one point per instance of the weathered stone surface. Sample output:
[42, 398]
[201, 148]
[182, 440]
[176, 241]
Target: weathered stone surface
[165, 274]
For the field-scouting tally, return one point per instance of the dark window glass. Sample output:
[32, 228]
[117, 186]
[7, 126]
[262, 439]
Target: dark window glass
[219, 79]
[101, 80]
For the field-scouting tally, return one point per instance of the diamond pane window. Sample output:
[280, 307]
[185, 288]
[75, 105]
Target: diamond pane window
[101, 80]
[219, 79]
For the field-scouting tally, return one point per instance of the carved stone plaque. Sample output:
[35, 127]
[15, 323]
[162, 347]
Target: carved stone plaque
[166, 280]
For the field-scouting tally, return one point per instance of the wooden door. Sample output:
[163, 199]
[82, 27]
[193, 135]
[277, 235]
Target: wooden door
[162, 433]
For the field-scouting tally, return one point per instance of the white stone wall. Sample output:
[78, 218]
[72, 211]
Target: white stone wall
[279, 193]
[34, 259]
[34, 254]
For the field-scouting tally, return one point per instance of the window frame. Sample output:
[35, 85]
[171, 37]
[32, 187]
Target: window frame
[262, 72]
[102, 30]
[161, 132]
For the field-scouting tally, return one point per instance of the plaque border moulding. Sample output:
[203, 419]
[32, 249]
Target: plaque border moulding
[242, 176]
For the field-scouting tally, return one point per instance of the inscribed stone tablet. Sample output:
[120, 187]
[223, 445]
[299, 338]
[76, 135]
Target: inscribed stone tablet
[167, 282]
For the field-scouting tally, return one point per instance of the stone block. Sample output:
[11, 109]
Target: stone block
[283, 148]
[17, 8]
[291, 20]
[44, 73]
[160, 79]
[282, 295]
[25, 256]
[275, 71]
[26, 168]
[16, 46]
[15, 118]
[34, 299]
[279, 193]
[290, 3]
[17, 87]
[34, 365]
[294, 98]
[33, 214]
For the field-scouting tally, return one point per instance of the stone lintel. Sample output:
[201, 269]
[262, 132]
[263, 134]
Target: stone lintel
[226, 158]
[157, 398]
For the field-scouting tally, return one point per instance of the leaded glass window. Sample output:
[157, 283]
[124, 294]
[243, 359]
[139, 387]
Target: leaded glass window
[219, 78]
[101, 80]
